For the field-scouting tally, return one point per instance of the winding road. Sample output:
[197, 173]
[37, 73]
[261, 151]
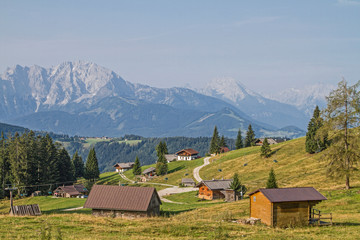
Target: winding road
[197, 169]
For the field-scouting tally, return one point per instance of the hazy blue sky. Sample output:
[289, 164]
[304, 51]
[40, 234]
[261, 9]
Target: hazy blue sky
[267, 45]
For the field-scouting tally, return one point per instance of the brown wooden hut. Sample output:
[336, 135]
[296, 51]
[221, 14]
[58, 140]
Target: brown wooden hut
[77, 190]
[213, 189]
[187, 154]
[285, 206]
[125, 202]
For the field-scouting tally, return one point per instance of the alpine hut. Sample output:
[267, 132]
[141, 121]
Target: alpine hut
[284, 206]
[125, 202]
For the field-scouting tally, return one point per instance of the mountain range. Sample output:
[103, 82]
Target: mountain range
[82, 98]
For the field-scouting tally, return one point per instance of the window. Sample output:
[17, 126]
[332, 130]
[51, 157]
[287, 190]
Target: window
[254, 198]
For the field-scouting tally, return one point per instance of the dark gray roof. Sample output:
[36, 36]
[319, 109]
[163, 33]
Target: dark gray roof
[120, 198]
[187, 180]
[291, 194]
[216, 184]
[149, 170]
[125, 165]
[73, 190]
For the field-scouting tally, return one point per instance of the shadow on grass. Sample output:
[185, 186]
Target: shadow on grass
[61, 211]
[104, 179]
[165, 213]
[274, 152]
[176, 169]
[346, 224]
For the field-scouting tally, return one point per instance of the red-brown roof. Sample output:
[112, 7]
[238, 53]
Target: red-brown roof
[188, 151]
[291, 194]
[120, 198]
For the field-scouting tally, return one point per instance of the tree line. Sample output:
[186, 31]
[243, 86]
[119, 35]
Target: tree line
[33, 162]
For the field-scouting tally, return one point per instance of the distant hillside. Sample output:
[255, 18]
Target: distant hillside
[294, 168]
[7, 128]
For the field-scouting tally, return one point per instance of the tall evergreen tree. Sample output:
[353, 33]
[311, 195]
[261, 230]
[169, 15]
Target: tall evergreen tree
[66, 167]
[313, 143]
[161, 149]
[250, 137]
[271, 182]
[222, 142]
[78, 165]
[4, 164]
[237, 186]
[342, 116]
[91, 166]
[137, 167]
[215, 141]
[161, 165]
[265, 149]
[238, 143]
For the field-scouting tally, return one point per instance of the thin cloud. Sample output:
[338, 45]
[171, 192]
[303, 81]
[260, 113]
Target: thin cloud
[255, 20]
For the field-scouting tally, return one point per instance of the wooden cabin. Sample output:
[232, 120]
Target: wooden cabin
[213, 189]
[124, 202]
[122, 167]
[170, 157]
[224, 149]
[260, 141]
[187, 154]
[71, 191]
[284, 206]
[188, 182]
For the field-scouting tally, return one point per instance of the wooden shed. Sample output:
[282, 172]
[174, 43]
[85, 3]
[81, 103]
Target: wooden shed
[285, 206]
[125, 202]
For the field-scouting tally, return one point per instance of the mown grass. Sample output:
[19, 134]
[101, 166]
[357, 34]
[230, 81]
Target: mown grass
[212, 221]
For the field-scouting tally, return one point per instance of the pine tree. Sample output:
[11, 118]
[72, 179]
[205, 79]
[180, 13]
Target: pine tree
[238, 143]
[265, 149]
[222, 142]
[271, 182]
[137, 167]
[237, 186]
[91, 166]
[161, 166]
[341, 119]
[250, 137]
[78, 165]
[313, 142]
[215, 141]
[66, 167]
[4, 164]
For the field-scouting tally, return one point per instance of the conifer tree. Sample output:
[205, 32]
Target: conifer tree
[66, 167]
[342, 117]
[137, 167]
[78, 165]
[222, 142]
[250, 137]
[313, 142]
[4, 164]
[271, 182]
[238, 143]
[237, 186]
[265, 149]
[91, 166]
[215, 141]
[161, 165]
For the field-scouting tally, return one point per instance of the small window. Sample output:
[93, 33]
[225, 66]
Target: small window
[254, 198]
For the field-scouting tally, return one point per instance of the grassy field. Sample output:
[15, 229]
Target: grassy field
[196, 219]
[207, 221]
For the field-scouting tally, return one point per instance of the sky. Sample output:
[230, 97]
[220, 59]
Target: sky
[266, 45]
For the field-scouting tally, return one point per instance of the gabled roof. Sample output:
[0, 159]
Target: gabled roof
[170, 157]
[120, 198]
[149, 170]
[187, 180]
[291, 194]
[125, 165]
[74, 190]
[188, 151]
[216, 184]
[270, 140]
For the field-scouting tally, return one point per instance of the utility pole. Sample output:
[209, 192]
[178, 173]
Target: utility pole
[11, 189]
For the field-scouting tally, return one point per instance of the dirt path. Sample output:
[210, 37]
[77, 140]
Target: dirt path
[174, 190]
[197, 169]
